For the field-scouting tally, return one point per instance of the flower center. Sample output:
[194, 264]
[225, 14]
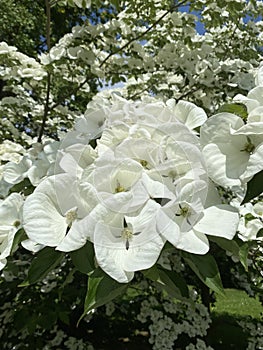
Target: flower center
[143, 162]
[127, 235]
[119, 188]
[172, 174]
[185, 212]
[17, 223]
[71, 215]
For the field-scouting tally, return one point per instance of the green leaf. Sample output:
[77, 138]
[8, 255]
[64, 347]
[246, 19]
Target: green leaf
[238, 109]
[174, 284]
[64, 317]
[101, 289]
[25, 187]
[47, 319]
[83, 258]
[152, 273]
[171, 281]
[226, 244]
[19, 237]
[243, 254]
[46, 260]
[205, 267]
[254, 187]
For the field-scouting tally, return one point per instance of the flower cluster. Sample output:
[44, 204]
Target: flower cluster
[144, 183]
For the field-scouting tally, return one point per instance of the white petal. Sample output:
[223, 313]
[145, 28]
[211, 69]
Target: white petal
[141, 257]
[220, 221]
[38, 171]
[120, 262]
[32, 246]
[218, 167]
[42, 221]
[255, 163]
[14, 173]
[63, 191]
[217, 128]
[168, 228]
[76, 237]
[156, 189]
[108, 261]
[6, 244]
[252, 128]
[193, 242]
[10, 209]
[259, 77]
[191, 115]
[256, 94]
[145, 217]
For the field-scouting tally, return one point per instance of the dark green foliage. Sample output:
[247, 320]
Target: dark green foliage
[254, 187]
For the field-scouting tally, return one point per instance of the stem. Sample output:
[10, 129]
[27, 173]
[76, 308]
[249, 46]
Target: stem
[46, 107]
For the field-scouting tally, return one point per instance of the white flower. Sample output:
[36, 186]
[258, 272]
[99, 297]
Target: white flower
[10, 213]
[185, 223]
[10, 151]
[54, 209]
[251, 222]
[124, 244]
[233, 150]
[248, 229]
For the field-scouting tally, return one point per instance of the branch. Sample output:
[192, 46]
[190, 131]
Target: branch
[172, 8]
[46, 108]
[188, 93]
[138, 93]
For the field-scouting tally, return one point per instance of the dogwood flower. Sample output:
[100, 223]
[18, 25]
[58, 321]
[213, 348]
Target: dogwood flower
[188, 224]
[125, 243]
[54, 209]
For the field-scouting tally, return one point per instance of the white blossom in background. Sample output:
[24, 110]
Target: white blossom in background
[251, 222]
[145, 182]
[11, 151]
[36, 164]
